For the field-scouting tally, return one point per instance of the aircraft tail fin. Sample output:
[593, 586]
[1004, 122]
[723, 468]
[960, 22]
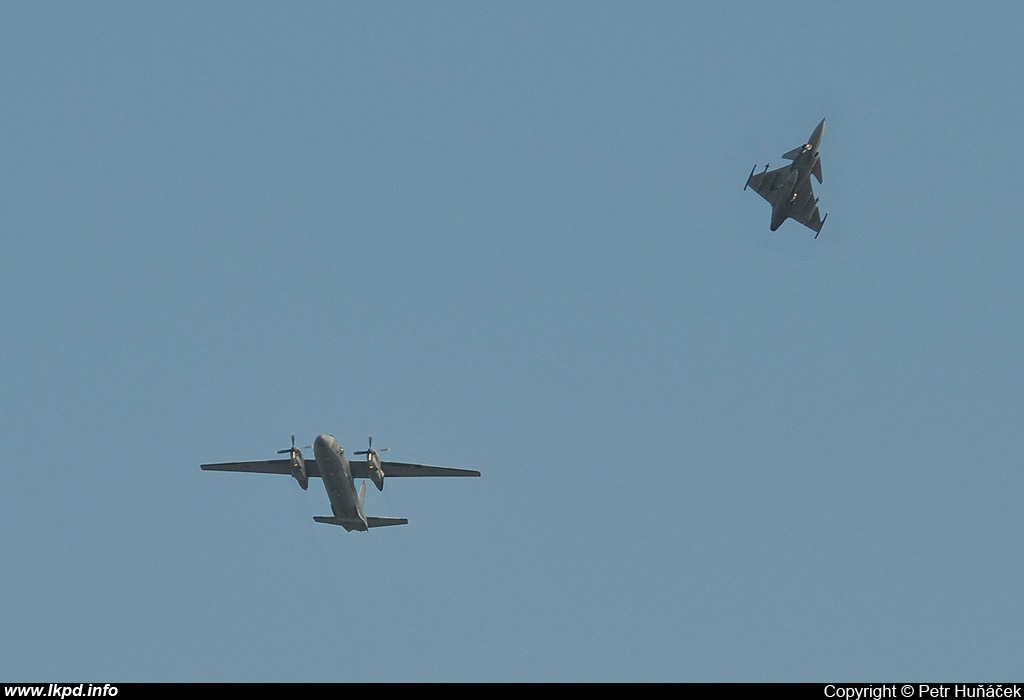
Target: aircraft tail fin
[362, 497]
[362, 523]
[372, 521]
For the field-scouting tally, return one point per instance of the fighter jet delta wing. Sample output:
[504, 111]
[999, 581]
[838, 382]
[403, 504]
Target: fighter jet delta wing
[768, 184]
[805, 209]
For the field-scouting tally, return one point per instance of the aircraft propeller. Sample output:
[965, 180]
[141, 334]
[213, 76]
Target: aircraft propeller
[370, 452]
[293, 449]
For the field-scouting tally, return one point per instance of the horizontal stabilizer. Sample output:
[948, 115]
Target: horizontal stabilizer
[351, 525]
[794, 154]
[384, 522]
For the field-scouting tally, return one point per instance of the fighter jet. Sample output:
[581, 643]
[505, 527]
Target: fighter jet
[339, 475]
[788, 189]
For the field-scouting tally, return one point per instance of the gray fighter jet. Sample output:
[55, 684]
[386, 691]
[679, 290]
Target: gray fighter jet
[339, 475]
[788, 189]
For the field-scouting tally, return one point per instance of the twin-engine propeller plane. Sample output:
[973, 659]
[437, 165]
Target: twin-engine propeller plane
[339, 475]
[788, 189]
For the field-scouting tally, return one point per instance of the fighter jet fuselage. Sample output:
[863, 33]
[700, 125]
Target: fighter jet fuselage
[805, 161]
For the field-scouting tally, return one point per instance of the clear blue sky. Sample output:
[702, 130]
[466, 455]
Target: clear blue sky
[511, 237]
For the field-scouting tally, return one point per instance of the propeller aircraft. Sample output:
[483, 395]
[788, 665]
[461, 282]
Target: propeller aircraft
[339, 474]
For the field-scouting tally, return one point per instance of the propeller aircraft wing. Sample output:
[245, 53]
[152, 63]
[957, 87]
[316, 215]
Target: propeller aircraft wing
[360, 468]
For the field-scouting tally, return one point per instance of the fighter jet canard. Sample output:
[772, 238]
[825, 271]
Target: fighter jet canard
[339, 474]
[788, 189]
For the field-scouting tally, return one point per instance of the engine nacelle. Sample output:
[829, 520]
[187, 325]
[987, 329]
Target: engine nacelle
[298, 464]
[373, 465]
[299, 469]
[376, 471]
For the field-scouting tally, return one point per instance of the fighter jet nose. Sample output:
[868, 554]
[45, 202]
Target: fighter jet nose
[815, 138]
